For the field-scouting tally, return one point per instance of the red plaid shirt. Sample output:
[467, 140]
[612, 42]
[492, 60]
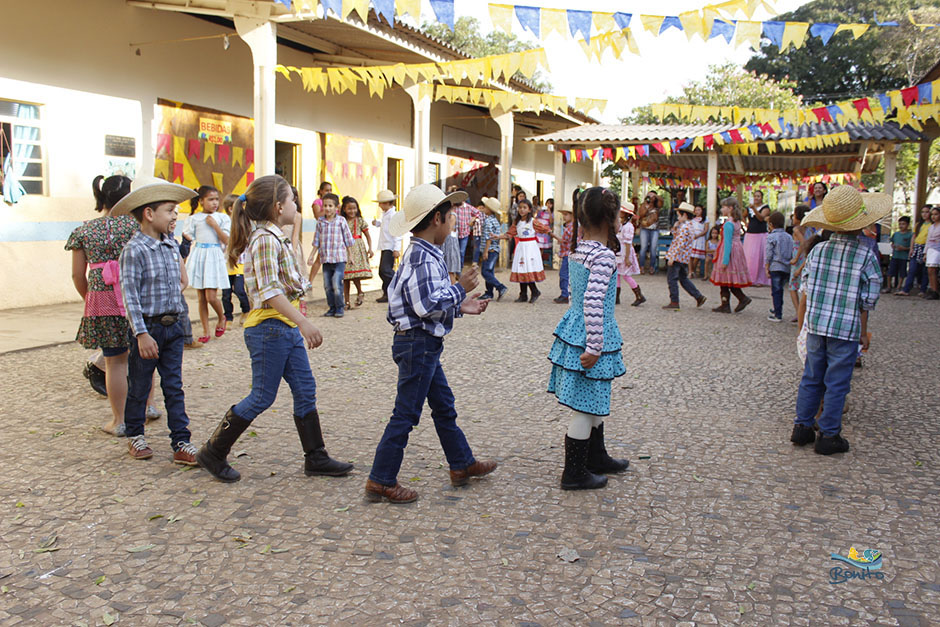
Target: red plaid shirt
[466, 212]
[332, 238]
[566, 234]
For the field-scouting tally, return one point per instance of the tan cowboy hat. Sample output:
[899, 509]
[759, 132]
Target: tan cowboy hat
[628, 207]
[148, 190]
[689, 209]
[493, 205]
[386, 195]
[847, 209]
[418, 203]
[566, 209]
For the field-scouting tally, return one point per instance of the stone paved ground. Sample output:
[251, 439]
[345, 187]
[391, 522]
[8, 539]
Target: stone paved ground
[725, 522]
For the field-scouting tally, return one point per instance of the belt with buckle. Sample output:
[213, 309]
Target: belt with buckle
[167, 319]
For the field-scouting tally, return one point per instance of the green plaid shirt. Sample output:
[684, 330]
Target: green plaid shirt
[842, 278]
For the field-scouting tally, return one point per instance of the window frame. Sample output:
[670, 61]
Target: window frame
[14, 122]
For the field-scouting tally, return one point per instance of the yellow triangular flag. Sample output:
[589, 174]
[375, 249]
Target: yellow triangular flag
[771, 147]
[361, 7]
[671, 109]
[794, 34]
[554, 21]
[217, 180]
[161, 169]
[857, 30]
[208, 152]
[698, 143]
[658, 111]
[238, 156]
[501, 16]
[748, 33]
[631, 42]
[652, 23]
[693, 24]
[179, 154]
[411, 7]
[604, 23]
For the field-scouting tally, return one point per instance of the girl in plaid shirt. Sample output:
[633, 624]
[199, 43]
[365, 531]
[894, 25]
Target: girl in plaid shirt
[275, 330]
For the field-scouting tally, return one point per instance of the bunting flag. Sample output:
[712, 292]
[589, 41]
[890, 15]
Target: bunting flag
[507, 101]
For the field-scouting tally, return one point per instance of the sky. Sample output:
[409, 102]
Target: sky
[665, 64]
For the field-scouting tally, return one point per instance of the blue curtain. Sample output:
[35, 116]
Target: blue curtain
[14, 165]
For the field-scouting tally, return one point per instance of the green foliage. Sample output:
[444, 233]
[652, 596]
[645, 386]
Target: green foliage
[906, 176]
[881, 59]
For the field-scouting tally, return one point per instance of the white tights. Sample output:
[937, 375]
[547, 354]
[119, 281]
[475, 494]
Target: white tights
[580, 426]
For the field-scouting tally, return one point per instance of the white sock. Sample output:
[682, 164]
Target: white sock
[580, 426]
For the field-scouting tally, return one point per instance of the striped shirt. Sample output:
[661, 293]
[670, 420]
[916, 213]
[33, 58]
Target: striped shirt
[420, 295]
[601, 263]
[490, 229]
[150, 279]
[842, 278]
[332, 238]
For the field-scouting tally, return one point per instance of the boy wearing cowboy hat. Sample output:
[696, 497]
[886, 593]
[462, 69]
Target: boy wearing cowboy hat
[388, 245]
[489, 247]
[842, 279]
[422, 304]
[678, 255]
[152, 278]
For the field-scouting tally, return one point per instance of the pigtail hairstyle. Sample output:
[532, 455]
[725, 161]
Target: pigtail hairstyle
[201, 193]
[258, 203]
[108, 191]
[599, 208]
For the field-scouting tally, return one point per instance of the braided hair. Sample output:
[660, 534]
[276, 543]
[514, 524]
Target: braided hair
[597, 207]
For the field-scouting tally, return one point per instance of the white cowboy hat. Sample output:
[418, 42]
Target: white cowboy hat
[386, 195]
[418, 203]
[148, 190]
[627, 207]
[846, 209]
[686, 207]
[492, 204]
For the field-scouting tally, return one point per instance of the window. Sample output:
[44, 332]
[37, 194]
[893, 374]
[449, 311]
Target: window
[22, 155]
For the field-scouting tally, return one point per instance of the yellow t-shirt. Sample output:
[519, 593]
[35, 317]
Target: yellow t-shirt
[237, 270]
[922, 234]
[257, 316]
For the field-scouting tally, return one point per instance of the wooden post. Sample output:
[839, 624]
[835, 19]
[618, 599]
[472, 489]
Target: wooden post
[891, 169]
[712, 187]
[923, 160]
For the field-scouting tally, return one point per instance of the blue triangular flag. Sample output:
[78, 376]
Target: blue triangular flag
[622, 20]
[671, 21]
[529, 18]
[824, 31]
[725, 135]
[925, 93]
[724, 29]
[755, 130]
[889, 23]
[444, 10]
[673, 144]
[834, 112]
[336, 6]
[286, 3]
[386, 9]
[774, 32]
[885, 100]
[580, 22]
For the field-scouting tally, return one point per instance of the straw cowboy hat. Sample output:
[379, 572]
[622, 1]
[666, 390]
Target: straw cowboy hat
[386, 195]
[684, 206]
[418, 203]
[847, 209]
[493, 205]
[148, 190]
[628, 207]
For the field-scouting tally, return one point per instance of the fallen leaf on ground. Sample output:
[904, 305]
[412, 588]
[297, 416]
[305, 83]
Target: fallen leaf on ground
[289, 589]
[569, 555]
[108, 619]
[280, 550]
[341, 509]
[505, 562]
[141, 548]
[155, 516]
[173, 518]
[697, 478]
[20, 504]
[197, 502]
[100, 580]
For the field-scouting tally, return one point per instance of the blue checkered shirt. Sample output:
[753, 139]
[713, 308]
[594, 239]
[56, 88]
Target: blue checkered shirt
[842, 278]
[421, 295]
[490, 229]
[150, 279]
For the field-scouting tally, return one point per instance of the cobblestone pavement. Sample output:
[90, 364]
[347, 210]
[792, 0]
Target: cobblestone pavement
[719, 520]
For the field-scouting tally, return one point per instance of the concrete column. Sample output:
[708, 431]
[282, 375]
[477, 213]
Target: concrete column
[739, 192]
[261, 37]
[923, 160]
[421, 140]
[635, 183]
[891, 170]
[562, 200]
[596, 177]
[506, 137]
[712, 183]
[624, 190]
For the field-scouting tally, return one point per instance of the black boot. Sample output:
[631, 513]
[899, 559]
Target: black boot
[213, 453]
[576, 475]
[523, 293]
[316, 460]
[618, 297]
[535, 293]
[640, 299]
[598, 461]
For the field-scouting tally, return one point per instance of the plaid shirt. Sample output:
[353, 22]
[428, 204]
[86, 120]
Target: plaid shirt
[842, 278]
[150, 279]
[681, 247]
[566, 234]
[271, 267]
[332, 239]
[420, 295]
[466, 212]
[490, 229]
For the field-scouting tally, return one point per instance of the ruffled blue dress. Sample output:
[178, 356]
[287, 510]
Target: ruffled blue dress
[583, 390]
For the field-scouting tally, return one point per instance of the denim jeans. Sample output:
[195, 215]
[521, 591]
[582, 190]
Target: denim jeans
[236, 284]
[778, 283]
[489, 276]
[649, 241]
[462, 244]
[475, 242]
[333, 286]
[187, 324]
[420, 377]
[277, 352]
[827, 377]
[916, 271]
[679, 273]
[169, 363]
[563, 277]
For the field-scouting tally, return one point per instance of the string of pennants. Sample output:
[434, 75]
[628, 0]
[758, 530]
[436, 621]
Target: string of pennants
[670, 176]
[497, 99]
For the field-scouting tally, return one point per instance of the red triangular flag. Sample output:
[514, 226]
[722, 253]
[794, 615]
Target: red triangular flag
[249, 177]
[909, 96]
[861, 105]
[177, 172]
[736, 136]
[249, 155]
[822, 114]
[660, 148]
[225, 152]
[195, 148]
[708, 141]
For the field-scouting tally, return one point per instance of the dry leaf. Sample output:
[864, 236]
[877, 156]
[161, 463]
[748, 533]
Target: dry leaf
[141, 548]
[107, 619]
[100, 580]
[155, 516]
[569, 555]
[197, 502]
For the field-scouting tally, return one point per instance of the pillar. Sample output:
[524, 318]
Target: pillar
[421, 139]
[562, 200]
[923, 159]
[596, 175]
[261, 37]
[891, 169]
[635, 183]
[712, 182]
[506, 138]
[624, 190]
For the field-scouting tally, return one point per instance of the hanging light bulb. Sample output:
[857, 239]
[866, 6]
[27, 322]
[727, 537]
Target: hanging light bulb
[225, 43]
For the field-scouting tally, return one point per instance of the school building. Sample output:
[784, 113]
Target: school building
[173, 89]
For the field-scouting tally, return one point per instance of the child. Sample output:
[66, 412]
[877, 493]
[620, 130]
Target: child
[678, 255]
[801, 236]
[389, 246]
[698, 246]
[711, 248]
[731, 272]
[451, 249]
[152, 280]
[917, 270]
[932, 250]
[586, 354]
[331, 243]
[318, 212]
[900, 252]
[206, 263]
[564, 249]
[842, 280]
[490, 247]
[527, 269]
[275, 331]
[422, 305]
[628, 264]
[778, 253]
[357, 266]
[236, 278]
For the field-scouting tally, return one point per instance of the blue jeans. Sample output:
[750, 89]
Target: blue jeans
[236, 284]
[563, 277]
[827, 377]
[917, 271]
[333, 286]
[462, 243]
[475, 242]
[489, 276]
[420, 377]
[649, 241]
[778, 282]
[679, 273]
[169, 363]
[277, 352]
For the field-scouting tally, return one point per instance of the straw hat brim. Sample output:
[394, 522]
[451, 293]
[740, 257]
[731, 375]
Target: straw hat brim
[874, 208]
[687, 208]
[493, 205]
[161, 191]
[386, 196]
[399, 225]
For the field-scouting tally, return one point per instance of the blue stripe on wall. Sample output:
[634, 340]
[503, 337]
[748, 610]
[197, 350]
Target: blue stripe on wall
[37, 231]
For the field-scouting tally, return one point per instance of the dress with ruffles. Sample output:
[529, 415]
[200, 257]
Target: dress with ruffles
[527, 257]
[357, 264]
[627, 263]
[735, 273]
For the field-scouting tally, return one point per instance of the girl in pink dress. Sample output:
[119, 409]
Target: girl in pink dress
[730, 272]
[627, 263]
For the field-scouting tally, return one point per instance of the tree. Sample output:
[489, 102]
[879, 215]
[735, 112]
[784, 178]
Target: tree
[906, 175]
[883, 58]
[467, 37]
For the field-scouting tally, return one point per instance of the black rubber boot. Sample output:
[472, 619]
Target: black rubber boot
[316, 460]
[213, 453]
[618, 297]
[640, 299]
[535, 293]
[576, 475]
[523, 293]
[598, 461]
